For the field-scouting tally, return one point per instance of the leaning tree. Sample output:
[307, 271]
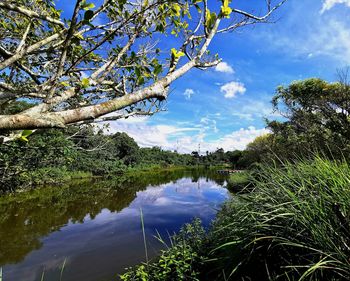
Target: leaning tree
[103, 62]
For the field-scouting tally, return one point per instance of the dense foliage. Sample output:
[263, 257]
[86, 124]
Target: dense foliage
[181, 260]
[315, 120]
[294, 225]
[54, 156]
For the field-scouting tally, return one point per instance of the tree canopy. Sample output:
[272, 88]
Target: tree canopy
[104, 62]
[316, 120]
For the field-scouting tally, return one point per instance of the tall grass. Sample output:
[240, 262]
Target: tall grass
[295, 225]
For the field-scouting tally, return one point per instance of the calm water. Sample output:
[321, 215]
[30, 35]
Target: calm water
[95, 227]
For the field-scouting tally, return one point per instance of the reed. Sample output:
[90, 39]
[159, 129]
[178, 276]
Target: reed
[295, 225]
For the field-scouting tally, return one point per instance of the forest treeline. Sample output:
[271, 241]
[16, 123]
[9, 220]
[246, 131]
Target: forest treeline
[54, 156]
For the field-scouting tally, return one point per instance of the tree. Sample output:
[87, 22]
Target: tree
[233, 157]
[259, 150]
[317, 118]
[104, 59]
[126, 148]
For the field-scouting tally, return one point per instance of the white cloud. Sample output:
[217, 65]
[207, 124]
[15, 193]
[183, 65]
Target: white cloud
[315, 37]
[188, 94]
[186, 139]
[258, 108]
[165, 136]
[329, 4]
[235, 140]
[331, 39]
[232, 88]
[245, 116]
[209, 124]
[224, 67]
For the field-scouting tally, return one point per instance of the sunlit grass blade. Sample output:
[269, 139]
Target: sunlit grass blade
[42, 275]
[62, 268]
[144, 236]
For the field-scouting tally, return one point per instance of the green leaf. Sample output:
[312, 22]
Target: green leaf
[157, 69]
[137, 72]
[25, 134]
[146, 72]
[140, 80]
[176, 54]
[211, 18]
[199, 10]
[225, 9]
[23, 139]
[79, 36]
[88, 15]
[176, 8]
[88, 6]
[85, 83]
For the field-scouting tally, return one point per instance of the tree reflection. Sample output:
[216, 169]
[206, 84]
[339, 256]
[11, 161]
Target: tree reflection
[27, 217]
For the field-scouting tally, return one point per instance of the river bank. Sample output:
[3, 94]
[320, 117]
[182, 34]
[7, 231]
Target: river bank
[59, 176]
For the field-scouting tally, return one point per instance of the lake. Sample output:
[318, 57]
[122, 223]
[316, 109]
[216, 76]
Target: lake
[93, 227]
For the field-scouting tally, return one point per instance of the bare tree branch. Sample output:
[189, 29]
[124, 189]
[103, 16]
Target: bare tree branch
[29, 13]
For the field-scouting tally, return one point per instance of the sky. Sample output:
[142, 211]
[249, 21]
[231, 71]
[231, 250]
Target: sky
[225, 107]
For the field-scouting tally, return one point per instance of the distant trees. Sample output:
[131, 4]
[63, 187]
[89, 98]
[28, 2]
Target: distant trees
[54, 155]
[104, 58]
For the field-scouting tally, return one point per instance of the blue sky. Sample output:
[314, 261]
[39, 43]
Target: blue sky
[225, 106]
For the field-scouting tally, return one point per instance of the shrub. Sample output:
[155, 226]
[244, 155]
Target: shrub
[179, 262]
[239, 181]
[48, 175]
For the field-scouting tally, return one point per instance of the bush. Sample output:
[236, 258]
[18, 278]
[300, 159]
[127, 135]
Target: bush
[100, 167]
[180, 262]
[239, 181]
[46, 175]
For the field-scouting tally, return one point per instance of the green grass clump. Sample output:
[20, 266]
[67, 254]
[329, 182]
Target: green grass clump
[180, 261]
[239, 181]
[295, 225]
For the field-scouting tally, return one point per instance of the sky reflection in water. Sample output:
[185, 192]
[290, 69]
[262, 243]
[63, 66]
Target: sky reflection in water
[98, 247]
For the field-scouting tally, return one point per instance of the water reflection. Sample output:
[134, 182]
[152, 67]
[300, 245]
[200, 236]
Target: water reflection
[96, 225]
